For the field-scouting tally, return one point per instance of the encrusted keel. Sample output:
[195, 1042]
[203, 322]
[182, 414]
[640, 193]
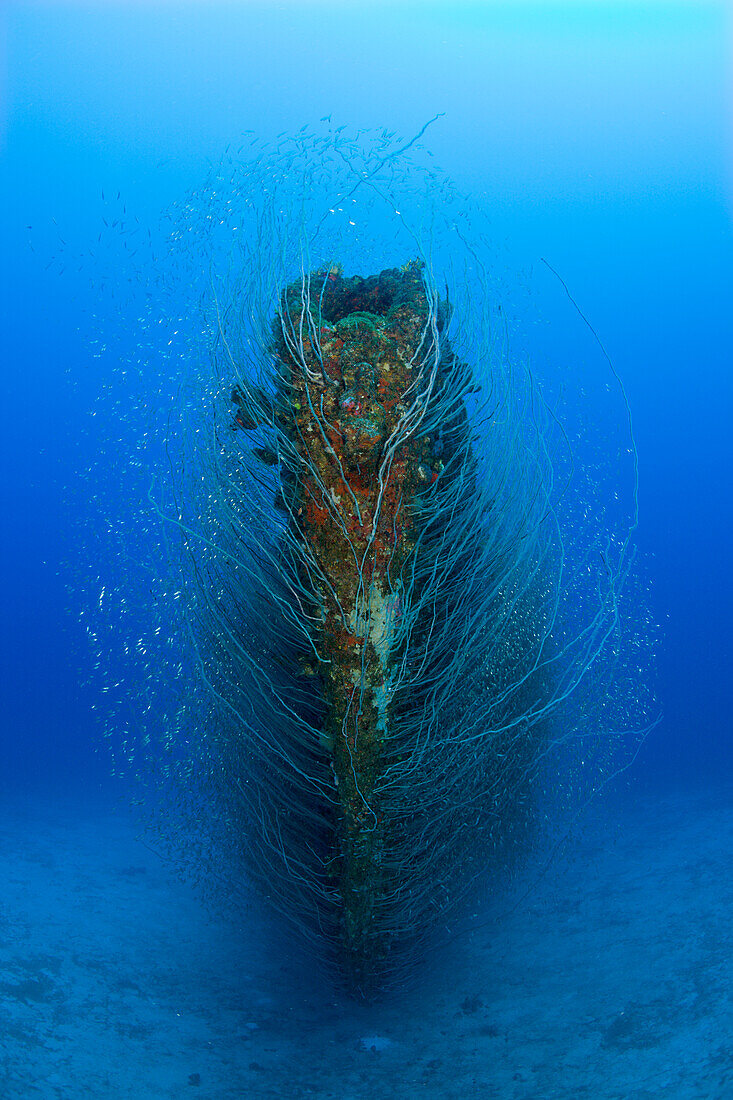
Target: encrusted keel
[351, 402]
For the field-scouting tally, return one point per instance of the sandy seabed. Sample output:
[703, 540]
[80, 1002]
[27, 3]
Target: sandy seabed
[612, 980]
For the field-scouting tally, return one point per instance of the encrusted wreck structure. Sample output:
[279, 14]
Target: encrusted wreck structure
[374, 453]
[389, 636]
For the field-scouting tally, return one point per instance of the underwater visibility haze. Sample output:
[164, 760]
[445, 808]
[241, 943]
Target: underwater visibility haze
[374, 432]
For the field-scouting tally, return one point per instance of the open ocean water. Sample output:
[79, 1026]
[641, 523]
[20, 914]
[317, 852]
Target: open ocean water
[596, 137]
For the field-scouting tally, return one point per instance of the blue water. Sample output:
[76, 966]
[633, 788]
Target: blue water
[597, 136]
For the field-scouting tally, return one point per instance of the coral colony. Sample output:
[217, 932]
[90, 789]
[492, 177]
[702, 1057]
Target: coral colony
[403, 628]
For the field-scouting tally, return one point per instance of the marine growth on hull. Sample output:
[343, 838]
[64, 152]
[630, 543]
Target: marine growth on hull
[377, 484]
[368, 444]
[389, 625]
